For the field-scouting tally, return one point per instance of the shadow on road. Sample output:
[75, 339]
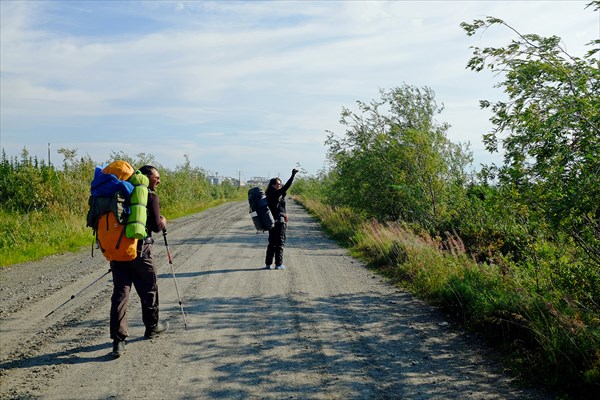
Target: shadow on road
[365, 346]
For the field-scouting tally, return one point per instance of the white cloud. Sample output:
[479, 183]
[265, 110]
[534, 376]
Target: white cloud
[234, 82]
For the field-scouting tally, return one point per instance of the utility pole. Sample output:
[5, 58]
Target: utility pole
[49, 155]
[239, 179]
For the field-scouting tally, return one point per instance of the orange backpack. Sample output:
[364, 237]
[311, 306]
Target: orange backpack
[113, 242]
[108, 219]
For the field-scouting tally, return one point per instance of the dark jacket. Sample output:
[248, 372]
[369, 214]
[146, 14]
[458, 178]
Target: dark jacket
[153, 222]
[276, 199]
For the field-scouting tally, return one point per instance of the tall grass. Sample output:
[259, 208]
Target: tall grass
[33, 235]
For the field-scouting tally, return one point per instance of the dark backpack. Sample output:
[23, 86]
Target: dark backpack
[259, 210]
[117, 204]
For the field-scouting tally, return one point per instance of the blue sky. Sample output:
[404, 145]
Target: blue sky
[244, 88]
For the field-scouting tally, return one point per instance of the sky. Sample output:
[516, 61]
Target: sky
[245, 88]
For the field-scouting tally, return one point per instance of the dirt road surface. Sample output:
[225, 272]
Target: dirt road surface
[325, 328]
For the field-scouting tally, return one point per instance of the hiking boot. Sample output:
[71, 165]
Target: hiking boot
[156, 330]
[280, 267]
[118, 348]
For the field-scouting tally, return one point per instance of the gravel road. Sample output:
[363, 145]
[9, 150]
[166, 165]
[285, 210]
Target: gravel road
[325, 328]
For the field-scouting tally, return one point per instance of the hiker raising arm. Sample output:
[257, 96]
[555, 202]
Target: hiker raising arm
[277, 235]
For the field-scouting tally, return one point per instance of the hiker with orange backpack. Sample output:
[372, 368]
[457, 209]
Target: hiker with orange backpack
[139, 272]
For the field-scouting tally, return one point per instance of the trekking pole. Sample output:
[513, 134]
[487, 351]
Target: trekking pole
[73, 295]
[174, 279]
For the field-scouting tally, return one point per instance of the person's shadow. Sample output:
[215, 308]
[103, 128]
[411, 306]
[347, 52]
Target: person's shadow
[212, 272]
[72, 356]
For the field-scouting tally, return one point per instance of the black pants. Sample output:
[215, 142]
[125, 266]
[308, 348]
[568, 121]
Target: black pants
[276, 242]
[141, 273]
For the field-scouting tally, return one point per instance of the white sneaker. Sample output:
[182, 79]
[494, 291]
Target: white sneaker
[280, 267]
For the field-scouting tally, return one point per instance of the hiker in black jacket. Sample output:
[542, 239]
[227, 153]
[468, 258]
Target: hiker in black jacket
[276, 199]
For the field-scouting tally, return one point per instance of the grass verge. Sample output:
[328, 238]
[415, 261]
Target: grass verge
[34, 235]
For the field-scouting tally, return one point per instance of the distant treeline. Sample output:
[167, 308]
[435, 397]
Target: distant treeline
[44, 207]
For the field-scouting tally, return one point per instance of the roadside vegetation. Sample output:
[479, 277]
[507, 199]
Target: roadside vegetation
[512, 251]
[43, 209]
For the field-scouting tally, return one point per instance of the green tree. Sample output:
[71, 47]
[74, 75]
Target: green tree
[137, 161]
[395, 161]
[69, 156]
[549, 129]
